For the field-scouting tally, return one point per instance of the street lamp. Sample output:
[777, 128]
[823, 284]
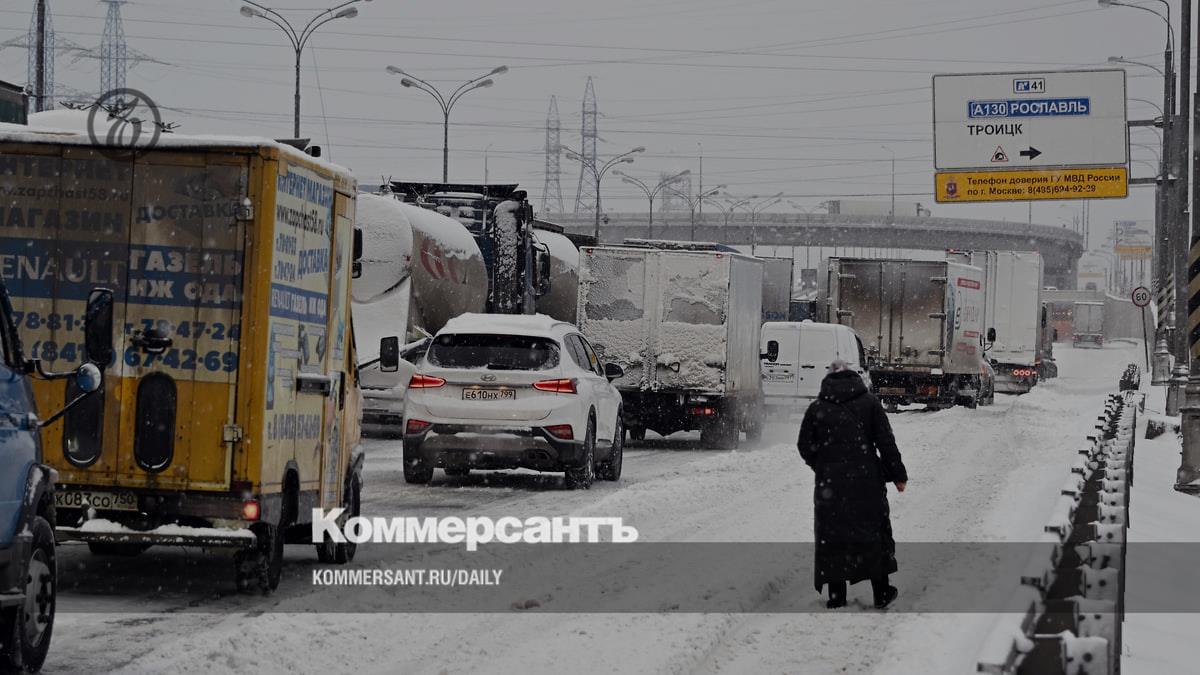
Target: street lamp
[726, 212]
[1170, 219]
[299, 38]
[755, 209]
[599, 171]
[1122, 60]
[446, 102]
[650, 192]
[695, 201]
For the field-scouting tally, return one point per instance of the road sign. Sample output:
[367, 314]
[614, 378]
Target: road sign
[1141, 296]
[1056, 119]
[1010, 185]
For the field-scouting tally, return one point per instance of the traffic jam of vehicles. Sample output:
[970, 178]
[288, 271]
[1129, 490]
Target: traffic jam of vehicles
[218, 338]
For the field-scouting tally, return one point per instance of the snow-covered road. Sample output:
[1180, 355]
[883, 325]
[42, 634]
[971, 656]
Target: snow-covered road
[986, 475]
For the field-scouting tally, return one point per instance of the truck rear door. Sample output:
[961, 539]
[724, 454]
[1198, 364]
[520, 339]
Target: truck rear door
[612, 310]
[690, 343]
[163, 232]
[183, 298]
[896, 307]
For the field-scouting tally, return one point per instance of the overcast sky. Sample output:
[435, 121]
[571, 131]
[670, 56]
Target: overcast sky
[799, 96]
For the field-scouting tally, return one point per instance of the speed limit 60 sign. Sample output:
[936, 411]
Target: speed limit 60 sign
[1141, 296]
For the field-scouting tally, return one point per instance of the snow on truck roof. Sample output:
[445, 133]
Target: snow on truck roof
[69, 127]
[538, 325]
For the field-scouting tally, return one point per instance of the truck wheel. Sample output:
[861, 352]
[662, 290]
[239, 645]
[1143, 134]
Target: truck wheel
[610, 469]
[721, 434]
[28, 626]
[416, 469]
[754, 427]
[344, 552]
[580, 477]
[116, 549]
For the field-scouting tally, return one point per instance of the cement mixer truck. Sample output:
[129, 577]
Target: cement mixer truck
[431, 254]
[419, 270]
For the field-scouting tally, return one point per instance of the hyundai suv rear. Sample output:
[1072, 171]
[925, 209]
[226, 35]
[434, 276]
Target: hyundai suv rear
[502, 392]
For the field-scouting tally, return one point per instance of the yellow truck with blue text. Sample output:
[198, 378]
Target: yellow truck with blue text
[231, 407]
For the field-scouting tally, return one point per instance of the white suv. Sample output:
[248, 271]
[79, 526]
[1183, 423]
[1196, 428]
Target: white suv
[509, 391]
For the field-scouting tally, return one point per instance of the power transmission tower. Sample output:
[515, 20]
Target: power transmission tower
[41, 45]
[552, 201]
[41, 58]
[586, 198]
[112, 49]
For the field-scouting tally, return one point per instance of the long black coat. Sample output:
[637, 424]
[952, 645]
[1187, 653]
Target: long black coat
[846, 440]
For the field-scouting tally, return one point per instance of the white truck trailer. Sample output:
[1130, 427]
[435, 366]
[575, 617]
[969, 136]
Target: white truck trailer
[1087, 325]
[1012, 305]
[921, 323]
[685, 326]
[777, 289]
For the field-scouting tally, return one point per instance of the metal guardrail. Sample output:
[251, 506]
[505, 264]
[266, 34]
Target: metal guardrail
[1066, 614]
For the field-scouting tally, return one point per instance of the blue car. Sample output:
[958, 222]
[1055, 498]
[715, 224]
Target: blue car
[28, 575]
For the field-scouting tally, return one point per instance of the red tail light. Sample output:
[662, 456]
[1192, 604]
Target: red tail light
[556, 386]
[250, 510]
[562, 432]
[416, 426]
[419, 381]
[703, 411]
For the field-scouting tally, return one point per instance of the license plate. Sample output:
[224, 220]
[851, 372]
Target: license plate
[101, 501]
[489, 395]
[893, 391]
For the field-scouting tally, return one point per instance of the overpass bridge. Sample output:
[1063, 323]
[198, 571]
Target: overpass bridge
[1060, 247]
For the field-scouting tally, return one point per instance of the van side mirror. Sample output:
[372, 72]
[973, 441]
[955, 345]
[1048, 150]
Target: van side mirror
[356, 265]
[772, 352]
[389, 354]
[991, 335]
[98, 329]
[613, 372]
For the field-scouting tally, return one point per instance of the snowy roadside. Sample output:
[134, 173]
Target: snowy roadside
[1159, 575]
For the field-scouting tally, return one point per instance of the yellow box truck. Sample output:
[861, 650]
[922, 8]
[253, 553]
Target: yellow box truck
[231, 407]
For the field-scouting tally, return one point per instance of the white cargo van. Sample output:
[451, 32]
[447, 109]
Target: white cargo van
[805, 349]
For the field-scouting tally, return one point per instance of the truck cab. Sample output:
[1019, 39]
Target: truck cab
[28, 573]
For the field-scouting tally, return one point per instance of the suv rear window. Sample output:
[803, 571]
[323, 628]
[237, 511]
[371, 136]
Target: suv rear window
[496, 352]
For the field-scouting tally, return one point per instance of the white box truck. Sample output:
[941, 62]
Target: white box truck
[685, 326]
[777, 289]
[1087, 325]
[921, 323]
[1012, 305]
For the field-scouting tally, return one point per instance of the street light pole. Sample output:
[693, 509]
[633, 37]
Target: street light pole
[599, 171]
[725, 212]
[299, 38]
[651, 192]
[1166, 225]
[892, 213]
[446, 103]
[694, 201]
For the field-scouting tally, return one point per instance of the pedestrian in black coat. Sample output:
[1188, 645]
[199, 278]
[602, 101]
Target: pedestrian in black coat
[846, 439]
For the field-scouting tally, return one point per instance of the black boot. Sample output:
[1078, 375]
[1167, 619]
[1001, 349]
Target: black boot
[884, 593]
[837, 595]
